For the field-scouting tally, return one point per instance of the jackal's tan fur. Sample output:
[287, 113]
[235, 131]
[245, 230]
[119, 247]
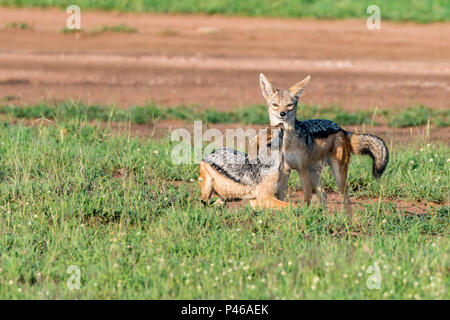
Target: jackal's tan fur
[261, 193]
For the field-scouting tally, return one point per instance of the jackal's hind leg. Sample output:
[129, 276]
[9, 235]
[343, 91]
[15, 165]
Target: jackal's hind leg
[269, 203]
[206, 183]
[339, 167]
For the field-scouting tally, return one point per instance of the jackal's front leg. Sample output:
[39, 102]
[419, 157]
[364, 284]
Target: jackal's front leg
[306, 184]
[268, 203]
[283, 183]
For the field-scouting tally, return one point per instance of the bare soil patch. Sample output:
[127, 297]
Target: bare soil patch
[214, 61]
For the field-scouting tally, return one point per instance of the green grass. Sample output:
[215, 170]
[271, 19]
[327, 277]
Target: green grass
[120, 28]
[76, 194]
[254, 114]
[18, 25]
[150, 113]
[66, 30]
[420, 115]
[401, 10]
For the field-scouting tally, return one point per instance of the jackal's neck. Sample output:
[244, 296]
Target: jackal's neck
[288, 124]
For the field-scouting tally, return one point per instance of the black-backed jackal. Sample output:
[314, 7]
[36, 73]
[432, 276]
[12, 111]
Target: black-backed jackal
[311, 144]
[235, 175]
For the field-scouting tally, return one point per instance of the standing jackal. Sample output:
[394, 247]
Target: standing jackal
[310, 144]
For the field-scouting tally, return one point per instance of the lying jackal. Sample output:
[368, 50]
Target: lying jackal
[235, 175]
[310, 144]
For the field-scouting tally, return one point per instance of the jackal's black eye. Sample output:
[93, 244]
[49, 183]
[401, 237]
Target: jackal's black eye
[275, 105]
[290, 105]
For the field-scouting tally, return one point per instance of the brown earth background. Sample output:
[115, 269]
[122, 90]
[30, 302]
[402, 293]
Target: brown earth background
[214, 62]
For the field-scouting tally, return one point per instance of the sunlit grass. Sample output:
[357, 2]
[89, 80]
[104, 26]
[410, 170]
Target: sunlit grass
[76, 194]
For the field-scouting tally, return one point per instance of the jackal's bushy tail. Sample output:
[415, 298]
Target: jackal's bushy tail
[374, 147]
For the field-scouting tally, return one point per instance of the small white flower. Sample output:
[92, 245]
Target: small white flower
[155, 151]
[260, 221]
[283, 273]
[431, 160]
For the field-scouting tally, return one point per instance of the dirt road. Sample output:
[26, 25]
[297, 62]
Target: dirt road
[215, 61]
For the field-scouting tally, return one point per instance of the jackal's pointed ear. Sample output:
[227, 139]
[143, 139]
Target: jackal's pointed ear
[253, 148]
[267, 88]
[297, 89]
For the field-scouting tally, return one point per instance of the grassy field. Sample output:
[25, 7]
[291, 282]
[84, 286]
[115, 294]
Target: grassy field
[255, 114]
[423, 11]
[77, 194]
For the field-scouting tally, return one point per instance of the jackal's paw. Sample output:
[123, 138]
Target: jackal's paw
[219, 202]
